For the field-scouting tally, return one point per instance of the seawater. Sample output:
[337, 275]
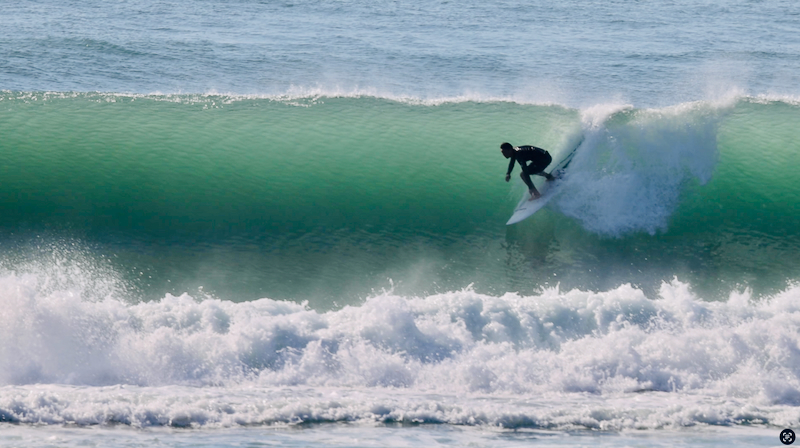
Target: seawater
[284, 223]
[326, 199]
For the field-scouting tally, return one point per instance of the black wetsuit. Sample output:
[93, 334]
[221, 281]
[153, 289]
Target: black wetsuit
[538, 158]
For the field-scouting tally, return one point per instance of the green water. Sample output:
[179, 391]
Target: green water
[325, 199]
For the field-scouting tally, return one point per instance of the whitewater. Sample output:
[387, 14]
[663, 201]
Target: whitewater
[283, 223]
[552, 360]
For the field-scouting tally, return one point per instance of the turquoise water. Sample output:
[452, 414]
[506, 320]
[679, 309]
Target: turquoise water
[284, 223]
[326, 199]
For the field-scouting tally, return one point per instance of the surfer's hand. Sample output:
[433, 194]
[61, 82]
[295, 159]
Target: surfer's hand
[508, 177]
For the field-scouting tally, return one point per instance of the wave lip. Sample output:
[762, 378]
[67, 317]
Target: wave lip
[316, 93]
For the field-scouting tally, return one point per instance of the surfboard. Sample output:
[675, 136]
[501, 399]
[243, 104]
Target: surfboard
[526, 207]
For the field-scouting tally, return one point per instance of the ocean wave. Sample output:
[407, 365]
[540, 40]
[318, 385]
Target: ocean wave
[357, 190]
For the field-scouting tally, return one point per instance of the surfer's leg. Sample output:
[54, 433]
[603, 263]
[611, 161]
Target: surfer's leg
[531, 189]
[527, 179]
[537, 166]
[546, 175]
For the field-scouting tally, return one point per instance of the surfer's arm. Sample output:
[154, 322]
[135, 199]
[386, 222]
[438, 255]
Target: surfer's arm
[511, 166]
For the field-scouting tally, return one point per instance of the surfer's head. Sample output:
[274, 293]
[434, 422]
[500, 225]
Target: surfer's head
[507, 149]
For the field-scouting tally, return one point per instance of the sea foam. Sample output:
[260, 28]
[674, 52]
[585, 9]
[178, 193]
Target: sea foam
[635, 165]
[608, 360]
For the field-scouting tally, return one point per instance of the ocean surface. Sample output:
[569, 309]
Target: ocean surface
[282, 223]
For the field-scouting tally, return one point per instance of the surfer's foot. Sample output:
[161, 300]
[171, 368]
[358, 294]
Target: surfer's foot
[550, 177]
[534, 195]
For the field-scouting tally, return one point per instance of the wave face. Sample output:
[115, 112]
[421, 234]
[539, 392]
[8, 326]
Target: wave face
[325, 198]
[76, 351]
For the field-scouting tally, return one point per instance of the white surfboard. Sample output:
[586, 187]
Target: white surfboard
[548, 189]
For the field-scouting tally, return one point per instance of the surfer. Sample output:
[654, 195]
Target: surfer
[538, 158]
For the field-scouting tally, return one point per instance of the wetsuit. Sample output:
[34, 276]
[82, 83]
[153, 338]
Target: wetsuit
[538, 158]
